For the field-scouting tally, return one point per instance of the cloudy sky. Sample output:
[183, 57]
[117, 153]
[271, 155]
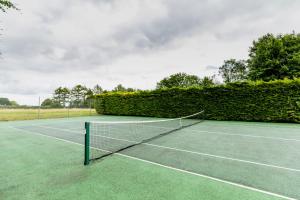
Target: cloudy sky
[134, 42]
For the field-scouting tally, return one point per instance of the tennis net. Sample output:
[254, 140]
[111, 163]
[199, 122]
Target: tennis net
[104, 138]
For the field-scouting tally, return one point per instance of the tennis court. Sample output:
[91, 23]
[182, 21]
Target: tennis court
[207, 160]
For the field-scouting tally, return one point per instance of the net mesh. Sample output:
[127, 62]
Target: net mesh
[106, 138]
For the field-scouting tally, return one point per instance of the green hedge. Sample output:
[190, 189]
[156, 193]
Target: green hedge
[246, 101]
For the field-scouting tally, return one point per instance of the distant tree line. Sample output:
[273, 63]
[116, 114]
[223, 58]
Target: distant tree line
[184, 80]
[6, 102]
[79, 96]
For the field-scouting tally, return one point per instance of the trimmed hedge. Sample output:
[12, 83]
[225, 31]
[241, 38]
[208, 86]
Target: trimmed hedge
[246, 101]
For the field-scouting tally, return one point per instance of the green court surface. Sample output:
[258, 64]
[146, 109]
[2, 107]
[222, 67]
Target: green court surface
[43, 159]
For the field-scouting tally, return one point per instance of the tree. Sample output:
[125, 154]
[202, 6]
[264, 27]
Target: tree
[14, 103]
[207, 81]
[7, 102]
[62, 95]
[97, 89]
[50, 103]
[119, 88]
[89, 93]
[78, 95]
[179, 80]
[130, 89]
[5, 4]
[275, 57]
[4, 102]
[233, 70]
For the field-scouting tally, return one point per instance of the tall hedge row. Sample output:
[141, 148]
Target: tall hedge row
[246, 101]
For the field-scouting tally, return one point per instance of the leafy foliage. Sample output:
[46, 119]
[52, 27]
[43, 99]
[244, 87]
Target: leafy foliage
[7, 102]
[4, 102]
[51, 103]
[275, 57]
[233, 70]
[247, 101]
[5, 4]
[97, 89]
[14, 104]
[121, 88]
[78, 96]
[207, 81]
[183, 80]
[62, 95]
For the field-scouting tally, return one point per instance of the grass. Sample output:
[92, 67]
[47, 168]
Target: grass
[29, 114]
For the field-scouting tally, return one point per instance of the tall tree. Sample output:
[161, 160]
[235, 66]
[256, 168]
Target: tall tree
[179, 80]
[62, 95]
[78, 95]
[233, 70]
[275, 57]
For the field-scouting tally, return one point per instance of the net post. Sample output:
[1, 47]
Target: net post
[87, 143]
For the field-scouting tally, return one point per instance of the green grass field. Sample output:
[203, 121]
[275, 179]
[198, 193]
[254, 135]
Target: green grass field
[29, 114]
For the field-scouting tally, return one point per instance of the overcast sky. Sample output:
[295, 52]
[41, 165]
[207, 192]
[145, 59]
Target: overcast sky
[133, 42]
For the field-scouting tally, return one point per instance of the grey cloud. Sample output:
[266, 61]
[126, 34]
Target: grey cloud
[183, 19]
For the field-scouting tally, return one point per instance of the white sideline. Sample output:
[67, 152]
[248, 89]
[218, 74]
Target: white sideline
[265, 125]
[226, 158]
[172, 168]
[60, 129]
[188, 151]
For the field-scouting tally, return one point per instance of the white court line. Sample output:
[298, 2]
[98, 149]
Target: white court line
[211, 178]
[195, 152]
[243, 135]
[225, 158]
[172, 168]
[61, 129]
[256, 124]
[208, 155]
